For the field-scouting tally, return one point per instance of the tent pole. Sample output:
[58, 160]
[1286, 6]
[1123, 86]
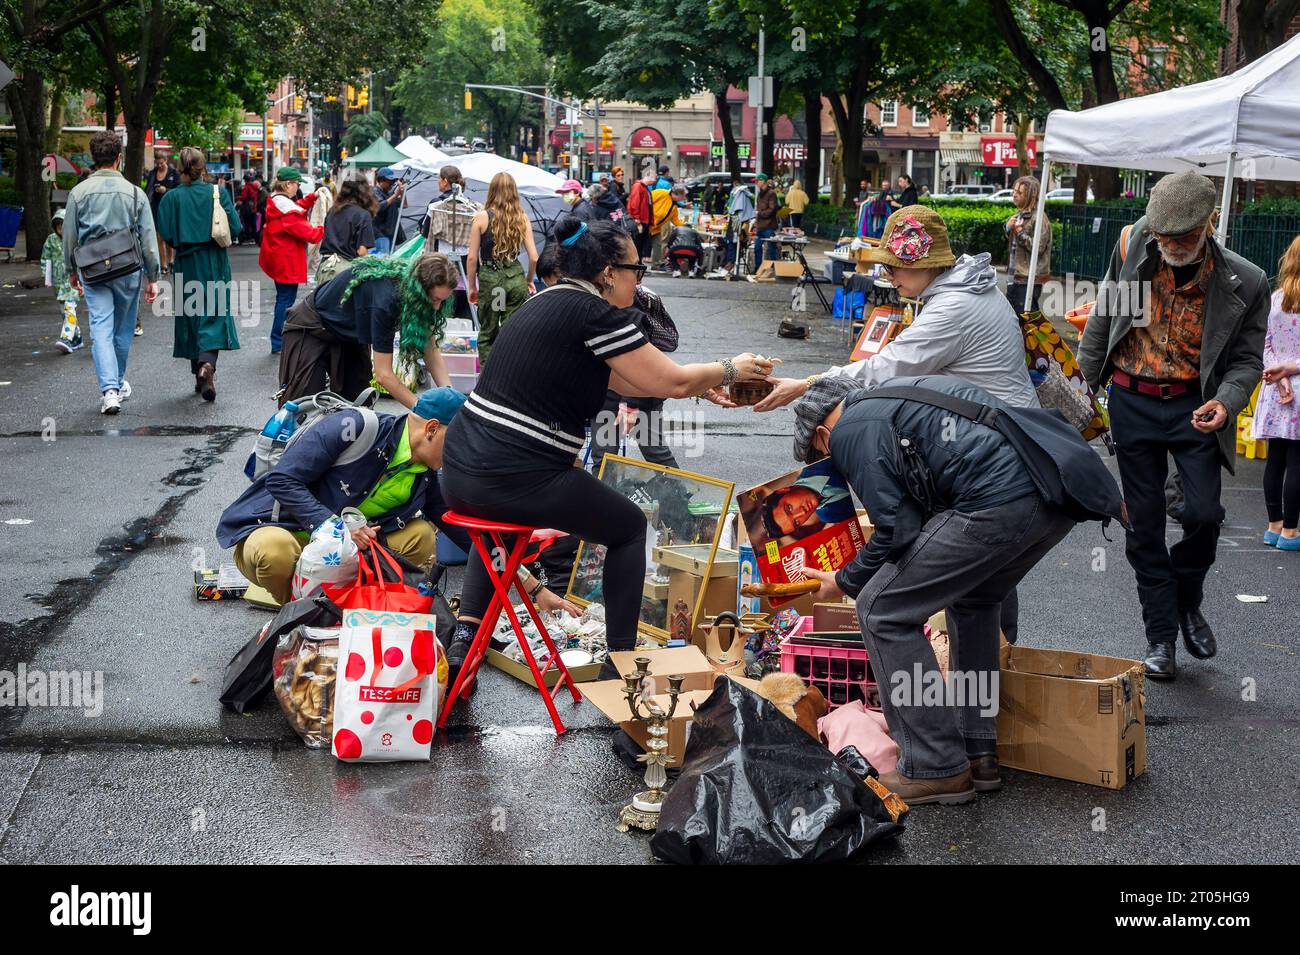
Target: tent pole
[1225, 203]
[1038, 224]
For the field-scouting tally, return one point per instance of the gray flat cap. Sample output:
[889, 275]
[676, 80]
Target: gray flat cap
[1180, 203]
[811, 410]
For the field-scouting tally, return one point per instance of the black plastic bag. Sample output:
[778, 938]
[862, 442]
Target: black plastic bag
[756, 789]
[248, 675]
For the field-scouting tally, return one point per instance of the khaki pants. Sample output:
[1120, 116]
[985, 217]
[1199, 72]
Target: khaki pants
[269, 555]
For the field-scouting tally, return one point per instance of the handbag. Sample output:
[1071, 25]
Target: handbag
[220, 222]
[1045, 350]
[372, 591]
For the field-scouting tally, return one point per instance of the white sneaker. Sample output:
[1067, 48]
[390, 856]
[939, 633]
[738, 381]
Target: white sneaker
[125, 391]
[111, 403]
[677, 273]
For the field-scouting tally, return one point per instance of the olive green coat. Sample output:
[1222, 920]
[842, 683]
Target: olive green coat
[201, 284]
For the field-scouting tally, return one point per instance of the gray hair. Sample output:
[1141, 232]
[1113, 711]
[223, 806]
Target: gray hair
[811, 410]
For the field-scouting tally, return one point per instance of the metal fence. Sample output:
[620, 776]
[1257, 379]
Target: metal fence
[1089, 233]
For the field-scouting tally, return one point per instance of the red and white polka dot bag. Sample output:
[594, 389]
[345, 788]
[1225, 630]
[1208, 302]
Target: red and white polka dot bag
[392, 675]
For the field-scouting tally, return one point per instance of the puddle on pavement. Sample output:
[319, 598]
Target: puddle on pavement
[146, 431]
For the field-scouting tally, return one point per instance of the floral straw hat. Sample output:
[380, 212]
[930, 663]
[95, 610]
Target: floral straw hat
[915, 237]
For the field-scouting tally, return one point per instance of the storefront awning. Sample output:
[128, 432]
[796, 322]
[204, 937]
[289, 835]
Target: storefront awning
[961, 156]
[692, 149]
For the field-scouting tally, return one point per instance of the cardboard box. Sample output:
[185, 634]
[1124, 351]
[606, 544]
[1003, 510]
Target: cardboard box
[1077, 716]
[607, 695]
[226, 583]
[787, 270]
[837, 617]
[520, 671]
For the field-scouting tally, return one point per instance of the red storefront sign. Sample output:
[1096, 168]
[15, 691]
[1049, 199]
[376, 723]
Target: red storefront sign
[646, 139]
[1001, 151]
[691, 149]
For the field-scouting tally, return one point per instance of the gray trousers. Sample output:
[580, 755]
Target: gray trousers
[965, 563]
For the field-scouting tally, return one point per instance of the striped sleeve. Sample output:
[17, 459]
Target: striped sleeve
[611, 332]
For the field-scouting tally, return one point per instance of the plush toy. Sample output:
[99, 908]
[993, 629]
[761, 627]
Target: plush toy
[799, 702]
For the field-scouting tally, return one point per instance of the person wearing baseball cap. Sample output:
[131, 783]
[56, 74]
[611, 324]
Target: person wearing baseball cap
[1178, 330]
[571, 192]
[389, 189]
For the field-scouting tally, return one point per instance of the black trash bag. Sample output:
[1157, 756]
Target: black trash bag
[248, 675]
[756, 789]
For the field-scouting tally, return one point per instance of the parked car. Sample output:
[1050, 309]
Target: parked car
[479, 145]
[458, 141]
[1002, 195]
[695, 187]
[969, 191]
[1065, 195]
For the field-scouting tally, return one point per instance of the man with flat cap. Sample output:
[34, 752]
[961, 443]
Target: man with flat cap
[1182, 358]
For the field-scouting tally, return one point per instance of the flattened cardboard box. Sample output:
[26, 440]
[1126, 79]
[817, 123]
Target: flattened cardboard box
[607, 695]
[1078, 716]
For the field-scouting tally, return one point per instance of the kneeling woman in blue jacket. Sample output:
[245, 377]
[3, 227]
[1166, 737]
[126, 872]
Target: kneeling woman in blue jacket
[394, 484]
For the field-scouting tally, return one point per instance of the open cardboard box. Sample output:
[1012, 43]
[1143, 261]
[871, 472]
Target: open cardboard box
[1078, 716]
[607, 695]
[520, 671]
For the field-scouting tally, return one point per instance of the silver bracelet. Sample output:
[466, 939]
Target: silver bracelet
[728, 372]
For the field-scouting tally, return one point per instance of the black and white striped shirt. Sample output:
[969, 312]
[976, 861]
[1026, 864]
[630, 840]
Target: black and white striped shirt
[546, 378]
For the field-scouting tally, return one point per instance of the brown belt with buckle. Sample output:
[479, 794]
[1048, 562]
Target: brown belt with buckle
[1157, 389]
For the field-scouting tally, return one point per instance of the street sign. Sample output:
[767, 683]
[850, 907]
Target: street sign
[250, 131]
[760, 92]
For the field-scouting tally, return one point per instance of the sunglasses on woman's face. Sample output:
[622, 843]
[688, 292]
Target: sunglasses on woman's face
[639, 269]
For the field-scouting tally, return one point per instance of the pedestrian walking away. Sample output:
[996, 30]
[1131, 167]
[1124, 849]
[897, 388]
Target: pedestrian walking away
[1277, 413]
[494, 279]
[201, 286]
[248, 206]
[332, 333]
[959, 538]
[285, 236]
[107, 207]
[1181, 366]
[56, 277]
[797, 200]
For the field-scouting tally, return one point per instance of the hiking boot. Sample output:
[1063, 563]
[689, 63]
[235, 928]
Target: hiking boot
[947, 790]
[985, 774]
[111, 403]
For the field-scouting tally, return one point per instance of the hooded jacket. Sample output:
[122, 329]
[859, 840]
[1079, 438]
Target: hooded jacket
[1232, 339]
[609, 207]
[285, 237]
[966, 328]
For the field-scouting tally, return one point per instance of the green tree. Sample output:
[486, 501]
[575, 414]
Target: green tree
[364, 130]
[476, 41]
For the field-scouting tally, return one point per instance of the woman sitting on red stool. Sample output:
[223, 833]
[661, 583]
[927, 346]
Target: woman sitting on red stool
[510, 455]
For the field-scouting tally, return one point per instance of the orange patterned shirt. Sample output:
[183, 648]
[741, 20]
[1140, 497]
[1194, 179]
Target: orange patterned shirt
[1168, 348]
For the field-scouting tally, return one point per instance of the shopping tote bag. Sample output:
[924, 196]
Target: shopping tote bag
[372, 590]
[392, 674]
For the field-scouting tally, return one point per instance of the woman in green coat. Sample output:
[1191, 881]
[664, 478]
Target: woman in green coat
[201, 283]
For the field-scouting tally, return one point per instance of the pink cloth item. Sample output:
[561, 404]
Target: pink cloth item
[854, 725]
[1282, 343]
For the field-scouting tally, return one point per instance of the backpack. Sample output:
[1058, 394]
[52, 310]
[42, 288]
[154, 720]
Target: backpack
[312, 409]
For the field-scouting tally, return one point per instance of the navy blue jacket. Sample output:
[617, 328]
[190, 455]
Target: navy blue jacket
[311, 490]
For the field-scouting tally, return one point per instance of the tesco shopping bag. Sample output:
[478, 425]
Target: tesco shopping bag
[392, 674]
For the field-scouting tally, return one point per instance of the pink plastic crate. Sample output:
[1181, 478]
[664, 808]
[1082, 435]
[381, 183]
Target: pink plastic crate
[843, 674]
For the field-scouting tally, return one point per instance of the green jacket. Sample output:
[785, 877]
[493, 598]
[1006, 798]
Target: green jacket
[1232, 341]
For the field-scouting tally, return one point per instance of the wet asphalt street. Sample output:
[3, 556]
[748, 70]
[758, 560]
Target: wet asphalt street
[101, 519]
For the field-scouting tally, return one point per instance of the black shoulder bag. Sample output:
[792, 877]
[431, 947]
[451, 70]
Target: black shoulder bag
[109, 257]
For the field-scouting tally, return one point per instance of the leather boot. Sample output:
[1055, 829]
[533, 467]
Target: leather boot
[948, 790]
[1198, 638]
[205, 385]
[985, 774]
[1160, 661]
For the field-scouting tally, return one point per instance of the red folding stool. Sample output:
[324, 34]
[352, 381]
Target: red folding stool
[478, 530]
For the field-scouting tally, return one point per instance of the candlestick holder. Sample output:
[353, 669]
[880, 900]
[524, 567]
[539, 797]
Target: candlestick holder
[643, 811]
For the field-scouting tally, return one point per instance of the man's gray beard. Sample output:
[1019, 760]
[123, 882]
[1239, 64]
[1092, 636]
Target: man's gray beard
[1186, 258]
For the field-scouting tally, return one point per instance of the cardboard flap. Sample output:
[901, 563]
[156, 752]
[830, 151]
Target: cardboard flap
[1065, 664]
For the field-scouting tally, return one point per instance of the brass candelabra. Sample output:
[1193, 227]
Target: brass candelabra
[643, 811]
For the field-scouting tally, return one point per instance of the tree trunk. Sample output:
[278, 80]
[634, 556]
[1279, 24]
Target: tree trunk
[27, 102]
[730, 152]
[58, 106]
[110, 106]
[1022, 146]
[1261, 26]
[850, 119]
[837, 171]
[1105, 179]
[812, 119]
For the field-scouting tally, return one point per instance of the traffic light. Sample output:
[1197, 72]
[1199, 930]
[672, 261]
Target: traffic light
[297, 104]
[606, 138]
[469, 100]
[352, 96]
[363, 97]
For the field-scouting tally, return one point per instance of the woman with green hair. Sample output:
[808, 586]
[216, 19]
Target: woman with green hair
[330, 334]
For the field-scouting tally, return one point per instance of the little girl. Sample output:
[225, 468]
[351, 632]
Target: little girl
[56, 275]
[1277, 413]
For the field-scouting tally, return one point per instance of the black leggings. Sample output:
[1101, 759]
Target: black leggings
[209, 356]
[1282, 481]
[567, 499]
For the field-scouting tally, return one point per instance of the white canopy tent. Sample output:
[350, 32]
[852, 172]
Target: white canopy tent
[1245, 125]
[417, 147]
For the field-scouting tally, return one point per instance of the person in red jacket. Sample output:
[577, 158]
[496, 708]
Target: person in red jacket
[248, 209]
[640, 206]
[285, 238]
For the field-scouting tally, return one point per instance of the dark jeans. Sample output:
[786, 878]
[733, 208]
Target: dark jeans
[567, 499]
[285, 293]
[1016, 295]
[1147, 430]
[968, 564]
[643, 240]
[604, 431]
[1282, 482]
[759, 244]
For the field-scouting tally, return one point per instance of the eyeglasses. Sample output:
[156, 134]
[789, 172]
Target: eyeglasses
[640, 270]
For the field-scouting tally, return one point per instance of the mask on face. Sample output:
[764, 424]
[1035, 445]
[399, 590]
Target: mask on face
[570, 198]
